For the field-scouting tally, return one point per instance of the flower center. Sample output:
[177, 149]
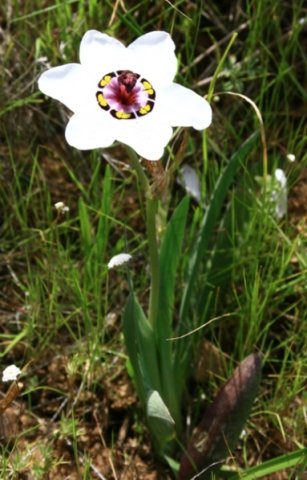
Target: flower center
[125, 95]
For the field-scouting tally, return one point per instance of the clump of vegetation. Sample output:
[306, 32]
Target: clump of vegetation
[231, 241]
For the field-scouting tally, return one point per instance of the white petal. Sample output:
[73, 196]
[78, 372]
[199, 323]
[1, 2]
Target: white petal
[86, 133]
[183, 108]
[147, 137]
[69, 84]
[154, 57]
[102, 54]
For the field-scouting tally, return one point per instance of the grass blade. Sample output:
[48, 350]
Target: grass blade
[289, 460]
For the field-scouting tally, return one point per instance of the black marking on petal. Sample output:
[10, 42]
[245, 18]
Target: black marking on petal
[106, 79]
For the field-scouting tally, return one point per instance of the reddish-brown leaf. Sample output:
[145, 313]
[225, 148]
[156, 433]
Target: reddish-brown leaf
[219, 430]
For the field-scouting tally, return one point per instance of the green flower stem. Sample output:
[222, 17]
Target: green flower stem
[135, 163]
[151, 228]
[151, 211]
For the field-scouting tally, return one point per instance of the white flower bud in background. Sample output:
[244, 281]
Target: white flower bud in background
[61, 207]
[119, 260]
[10, 373]
[291, 157]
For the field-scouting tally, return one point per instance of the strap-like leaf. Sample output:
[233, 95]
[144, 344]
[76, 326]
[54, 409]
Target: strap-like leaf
[141, 346]
[220, 428]
[211, 217]
[156, 408]
[160, 419]
[170, 254]
[200, 250]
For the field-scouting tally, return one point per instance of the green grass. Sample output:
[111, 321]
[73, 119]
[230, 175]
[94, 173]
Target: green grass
[58, 303]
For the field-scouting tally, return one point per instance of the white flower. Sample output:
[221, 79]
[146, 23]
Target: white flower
[61, 207]
[279, 193]
[125, 94]
[10, 373]
[119, 260]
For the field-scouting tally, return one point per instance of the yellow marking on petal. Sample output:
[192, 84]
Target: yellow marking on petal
[148, 87]
[144, 110]
[105, 80]
[123, 115]
[101, 100]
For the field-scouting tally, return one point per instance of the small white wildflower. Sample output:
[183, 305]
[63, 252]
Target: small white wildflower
[119, 260]
[291, 157]
[10, 373]
[61, 207]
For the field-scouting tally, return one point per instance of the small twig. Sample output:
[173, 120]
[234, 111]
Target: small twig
[199, 474]
[104, 444]
[59, 410]
[114, 12]
[199, 328]
[262, 129]
[14, 276]
[123, 432]
[11, 394]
